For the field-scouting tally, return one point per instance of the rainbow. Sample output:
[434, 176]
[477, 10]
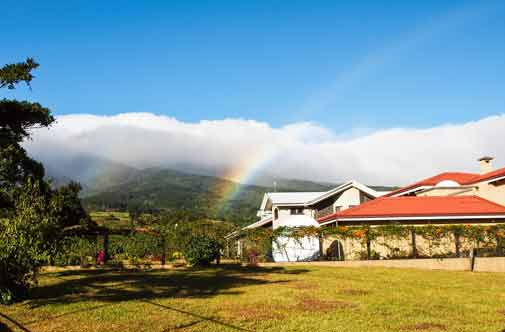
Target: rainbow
[243, 172]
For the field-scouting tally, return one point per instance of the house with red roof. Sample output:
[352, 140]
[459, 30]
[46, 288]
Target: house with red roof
[449, 198]
[298, 209]
[446, 198]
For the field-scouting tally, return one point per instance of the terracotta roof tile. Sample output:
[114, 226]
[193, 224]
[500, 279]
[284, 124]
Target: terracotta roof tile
[461, 178]
[427, 206]
[488, 176]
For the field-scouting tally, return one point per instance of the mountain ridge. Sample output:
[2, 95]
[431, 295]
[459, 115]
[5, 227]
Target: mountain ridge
[109, 185]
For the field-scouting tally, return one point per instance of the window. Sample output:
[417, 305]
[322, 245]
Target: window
[296, 211]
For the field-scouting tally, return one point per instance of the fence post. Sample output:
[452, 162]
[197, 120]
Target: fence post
[321, 253]
[473, 253]
[498, 247]
[414, 247]
[163, 251]
[457, 243]
[106, 247]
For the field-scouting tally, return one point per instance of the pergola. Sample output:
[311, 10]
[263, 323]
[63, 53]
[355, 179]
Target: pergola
[101, 231]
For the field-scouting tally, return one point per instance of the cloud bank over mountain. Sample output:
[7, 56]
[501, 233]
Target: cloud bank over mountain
[237, 148]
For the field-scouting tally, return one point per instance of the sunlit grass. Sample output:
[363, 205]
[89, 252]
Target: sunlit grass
[111, 219]
[233, 298]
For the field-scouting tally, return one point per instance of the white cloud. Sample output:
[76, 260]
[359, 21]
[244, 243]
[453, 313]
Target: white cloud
[300, 150]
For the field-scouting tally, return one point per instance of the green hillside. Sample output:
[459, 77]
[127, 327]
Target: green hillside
[203, 195]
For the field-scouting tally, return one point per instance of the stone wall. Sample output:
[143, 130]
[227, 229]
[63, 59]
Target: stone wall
[388, 247]
[482, 264]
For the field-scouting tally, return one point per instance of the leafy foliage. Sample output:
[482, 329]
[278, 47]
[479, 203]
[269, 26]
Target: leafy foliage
[34, 217]
[77, 250]
[258, 240]
[135, 246]
[16, 119]
[201, 250]
[23, 238]
[154, 235]
[12, 74]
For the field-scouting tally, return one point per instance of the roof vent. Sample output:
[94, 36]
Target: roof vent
[486, 164]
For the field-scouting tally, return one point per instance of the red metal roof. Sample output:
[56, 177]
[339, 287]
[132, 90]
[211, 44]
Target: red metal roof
[425, 206]
[490, 175]
[461, 178]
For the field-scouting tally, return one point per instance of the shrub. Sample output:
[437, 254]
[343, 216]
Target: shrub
[6, 296]
[176, 255]
[77, 251]
[33, 232]
[201, 250]
[135, 246]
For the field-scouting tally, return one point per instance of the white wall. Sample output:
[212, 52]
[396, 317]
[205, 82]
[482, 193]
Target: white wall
[295, 250]
[491, 192]
[349, 197]
[291, 250]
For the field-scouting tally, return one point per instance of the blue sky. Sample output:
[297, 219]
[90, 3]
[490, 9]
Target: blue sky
[359, 64]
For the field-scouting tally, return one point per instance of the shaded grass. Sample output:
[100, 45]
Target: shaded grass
[234, 298]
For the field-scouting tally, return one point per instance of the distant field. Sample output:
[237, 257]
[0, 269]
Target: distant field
[110, 219]
[232, 298]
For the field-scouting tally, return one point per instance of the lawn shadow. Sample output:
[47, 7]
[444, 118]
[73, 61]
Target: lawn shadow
[113, 286]
[5, 328]
[108, 285]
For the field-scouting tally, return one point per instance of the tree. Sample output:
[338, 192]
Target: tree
[201, 250]
[17, 118]
[23, 245]
[33, 217]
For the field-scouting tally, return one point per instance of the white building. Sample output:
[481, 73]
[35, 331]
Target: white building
[292, 209]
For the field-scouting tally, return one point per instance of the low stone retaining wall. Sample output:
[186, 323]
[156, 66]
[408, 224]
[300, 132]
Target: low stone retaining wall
[125, 266]
[490, 264]
[482, 264]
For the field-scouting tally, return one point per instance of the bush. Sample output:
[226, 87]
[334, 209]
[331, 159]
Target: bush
[134, 247]
[77, 251]
[33, 230]
[6, 296]
[200, 250]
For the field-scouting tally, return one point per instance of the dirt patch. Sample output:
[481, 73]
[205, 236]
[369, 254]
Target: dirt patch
[501, 311]
[278, 311]
[317, 305]
[256, 312]
[302, 285]
[354, 292]
[425, 327]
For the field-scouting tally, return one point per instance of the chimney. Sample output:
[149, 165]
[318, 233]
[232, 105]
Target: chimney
[486, 164]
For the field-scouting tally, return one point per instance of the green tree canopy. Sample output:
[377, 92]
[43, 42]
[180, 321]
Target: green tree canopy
[17, 118]
[33, 216]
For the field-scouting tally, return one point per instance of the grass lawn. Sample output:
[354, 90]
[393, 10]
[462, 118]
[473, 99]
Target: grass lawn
[232, 298]
[111, 219]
